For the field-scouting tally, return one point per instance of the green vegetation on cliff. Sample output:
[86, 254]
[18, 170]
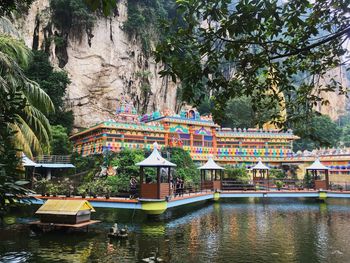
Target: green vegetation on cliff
[145, 20]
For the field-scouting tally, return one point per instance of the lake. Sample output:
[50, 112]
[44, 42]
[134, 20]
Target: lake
[244, 230]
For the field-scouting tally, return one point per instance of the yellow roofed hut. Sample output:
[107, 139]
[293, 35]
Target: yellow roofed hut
[65, 211]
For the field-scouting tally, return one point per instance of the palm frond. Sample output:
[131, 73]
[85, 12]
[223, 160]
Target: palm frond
[16, 49]
[20, 141]
[31, 127]
[38, 123]
[38, 97]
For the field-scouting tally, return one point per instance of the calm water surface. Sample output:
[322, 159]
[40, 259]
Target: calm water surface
[249, 230]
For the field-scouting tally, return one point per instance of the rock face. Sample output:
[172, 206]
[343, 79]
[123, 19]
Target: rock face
[101, 73]
[338, 104]
[112, 65]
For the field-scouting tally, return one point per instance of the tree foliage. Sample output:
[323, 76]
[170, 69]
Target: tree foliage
[257, 49]
[72, 18]
[105, 5]
[23, 125]
[60, 144]
[236, 173]
[144, 20]
[55, 84]
[185, 167]
[320, 131]
[9, 6]
[345, 136]
[11, 185]
[30, 126]
[239, 113]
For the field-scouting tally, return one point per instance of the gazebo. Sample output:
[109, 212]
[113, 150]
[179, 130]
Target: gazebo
[216, 171]
[318, 183]
[260, 172]
[160, 189]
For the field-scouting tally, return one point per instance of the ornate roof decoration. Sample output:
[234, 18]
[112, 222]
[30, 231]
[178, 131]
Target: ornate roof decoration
[126, 112]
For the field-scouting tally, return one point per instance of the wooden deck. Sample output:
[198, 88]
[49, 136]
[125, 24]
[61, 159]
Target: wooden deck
[187, 198]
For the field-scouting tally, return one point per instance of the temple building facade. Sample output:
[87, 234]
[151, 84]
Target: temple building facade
[202, 138]
[196, 134]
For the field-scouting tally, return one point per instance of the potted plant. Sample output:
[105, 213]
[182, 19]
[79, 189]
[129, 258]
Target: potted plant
[108, 190]
[299, 185]
[93, 186]
[82, 192]
[52, 189]
[279, 185]
[41, 186]
[67, 187]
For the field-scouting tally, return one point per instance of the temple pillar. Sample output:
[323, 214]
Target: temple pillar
[191, 136]
[166, 134]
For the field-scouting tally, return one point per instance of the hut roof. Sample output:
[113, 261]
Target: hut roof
[260, 166]
[28, 162]
[64, 207]
[211, 165]
[155, 159]
[317, 165]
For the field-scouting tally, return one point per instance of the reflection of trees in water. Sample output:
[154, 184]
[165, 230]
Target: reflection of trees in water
[289, 231]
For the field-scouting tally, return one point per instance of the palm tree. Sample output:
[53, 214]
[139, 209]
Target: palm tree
[22, 99]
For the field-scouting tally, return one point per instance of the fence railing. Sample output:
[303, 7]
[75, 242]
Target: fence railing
[290, 184]
[62, 159]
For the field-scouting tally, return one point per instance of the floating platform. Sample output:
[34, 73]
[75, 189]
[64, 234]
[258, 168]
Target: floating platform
[45, 227]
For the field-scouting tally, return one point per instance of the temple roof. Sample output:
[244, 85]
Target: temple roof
[317, 165]
[155, 159]
[211, 165]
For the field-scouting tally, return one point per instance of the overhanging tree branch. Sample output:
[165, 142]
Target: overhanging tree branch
[317, 44]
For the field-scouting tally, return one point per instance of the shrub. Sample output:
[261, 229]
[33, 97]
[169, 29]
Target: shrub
[276, 173]
[118, 183]
[239, 173]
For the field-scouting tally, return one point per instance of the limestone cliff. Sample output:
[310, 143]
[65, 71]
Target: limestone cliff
[338, 104]
[102, 68]
[106, 64]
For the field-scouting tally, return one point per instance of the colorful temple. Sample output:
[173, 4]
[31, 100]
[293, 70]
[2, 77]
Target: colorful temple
[202, 138]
